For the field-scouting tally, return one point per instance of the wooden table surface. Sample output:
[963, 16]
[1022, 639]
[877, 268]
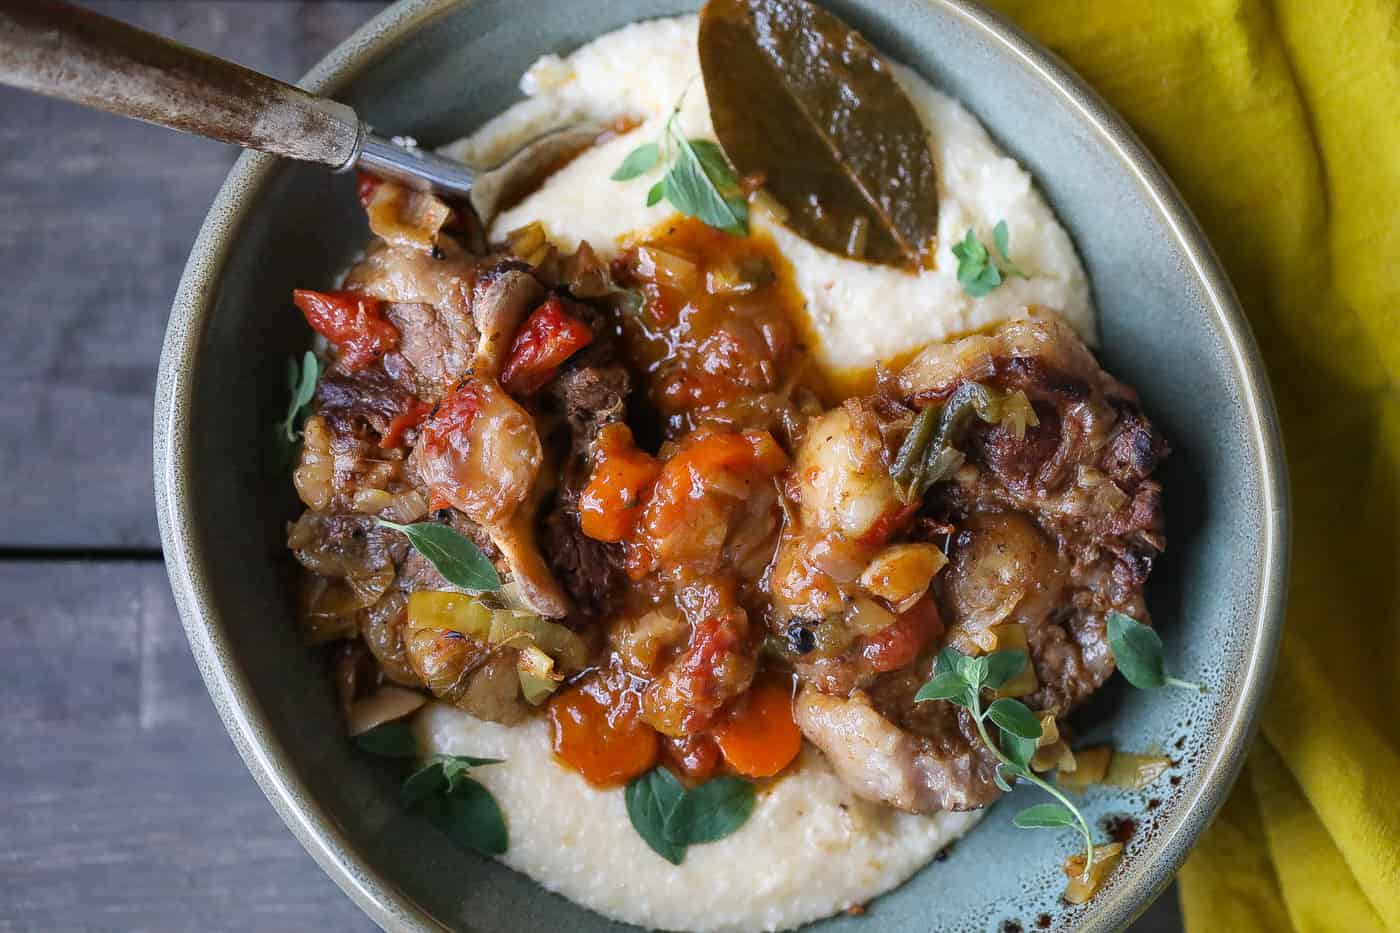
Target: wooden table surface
[123, 805]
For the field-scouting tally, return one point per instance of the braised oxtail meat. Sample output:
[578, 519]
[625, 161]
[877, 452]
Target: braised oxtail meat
[689, 543]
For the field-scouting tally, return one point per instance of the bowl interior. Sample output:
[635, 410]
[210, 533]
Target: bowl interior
[437, 70]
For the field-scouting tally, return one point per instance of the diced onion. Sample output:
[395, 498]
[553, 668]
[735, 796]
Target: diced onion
[1134, 772]
[901, 573]
[371, 501]
[405, 217]
[1091, 766]
[1012, 636]
[1081, 887]
[866, 617]
[368, 586]
[528, 240]
[1051, 750]
[668, 269]
[328, 610]
[538, 679]
[515, 627]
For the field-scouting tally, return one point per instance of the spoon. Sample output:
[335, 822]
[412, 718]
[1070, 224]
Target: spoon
[61, 50]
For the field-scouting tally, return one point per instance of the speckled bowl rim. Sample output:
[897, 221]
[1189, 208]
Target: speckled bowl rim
[244, 716]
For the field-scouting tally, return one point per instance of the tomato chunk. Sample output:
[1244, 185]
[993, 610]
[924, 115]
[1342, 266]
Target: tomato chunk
[365, 184]
[549, 336]
[354, 323]
[759, 737]
[899, 644]
[695, 756]
[611, 503]
[411, 418]
[594, 729]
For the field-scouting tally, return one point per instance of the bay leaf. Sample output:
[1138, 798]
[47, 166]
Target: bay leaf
[804, 101]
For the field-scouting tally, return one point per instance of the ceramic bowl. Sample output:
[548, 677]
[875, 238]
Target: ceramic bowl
[1171, 326]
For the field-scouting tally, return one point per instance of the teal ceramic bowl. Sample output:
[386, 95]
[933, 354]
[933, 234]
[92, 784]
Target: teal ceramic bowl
[1170, 326]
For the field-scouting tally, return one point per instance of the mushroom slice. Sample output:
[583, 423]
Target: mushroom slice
[383, 705]
[504, 296]
[538, 588]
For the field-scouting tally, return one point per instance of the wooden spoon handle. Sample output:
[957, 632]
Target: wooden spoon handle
[65, 51]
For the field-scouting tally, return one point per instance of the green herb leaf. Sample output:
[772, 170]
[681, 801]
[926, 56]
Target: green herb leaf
[1018, 751]
[460, 806]
[1137, 649]
[698, 180]
[670, 818]
[949, 686]
[973, 670]
[1014, 717]
[303, 389]
[473, 819]
[455, 767]
[1002, 237]
[651, 799]
[948, 661]
[704, 192]
[999, 776]
[979, 274]
[710, 811]
[640, 160]
[427, 781]
[455, 556]
[392, 739]
[1004, 665]
[1044, 816]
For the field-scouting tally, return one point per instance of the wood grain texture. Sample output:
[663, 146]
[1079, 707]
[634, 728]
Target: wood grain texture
[124, 804]
[99, 214]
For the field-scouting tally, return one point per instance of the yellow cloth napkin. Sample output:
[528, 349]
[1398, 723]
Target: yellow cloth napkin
[1280, 122]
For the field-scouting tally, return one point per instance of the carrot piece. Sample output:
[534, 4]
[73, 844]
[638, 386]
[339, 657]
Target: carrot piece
[611, 503]
[595, 730]
[759, 738]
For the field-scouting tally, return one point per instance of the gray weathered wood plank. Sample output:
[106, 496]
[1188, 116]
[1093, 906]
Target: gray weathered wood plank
[125, 806]
[98, 217]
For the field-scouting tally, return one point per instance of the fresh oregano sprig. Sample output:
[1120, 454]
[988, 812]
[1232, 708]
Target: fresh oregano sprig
[301, 381]
[442, 790]
[960, 679]
[671, 818]
[979, 272]
[1137, 650]
[698, 180]
[460, 806]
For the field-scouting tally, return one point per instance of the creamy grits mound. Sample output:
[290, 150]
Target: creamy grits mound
[862, 313]
[810, 849]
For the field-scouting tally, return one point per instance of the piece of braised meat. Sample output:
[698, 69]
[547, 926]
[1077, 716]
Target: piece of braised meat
[1053, 522]
[591, 393]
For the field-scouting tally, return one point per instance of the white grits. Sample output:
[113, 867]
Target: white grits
[810, 849]
[863, 313]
